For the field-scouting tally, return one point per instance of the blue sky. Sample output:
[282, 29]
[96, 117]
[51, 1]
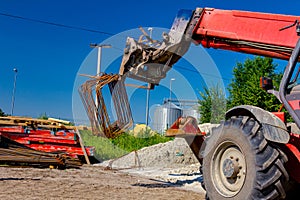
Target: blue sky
[48, 58]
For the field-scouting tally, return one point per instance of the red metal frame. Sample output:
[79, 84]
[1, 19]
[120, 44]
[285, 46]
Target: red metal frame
[221, 28]
[280, 115]
[292, 151]
[65, 141]
[295, 104]
[72, 151]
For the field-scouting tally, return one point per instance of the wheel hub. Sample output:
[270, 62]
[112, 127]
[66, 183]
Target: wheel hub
[229, 169]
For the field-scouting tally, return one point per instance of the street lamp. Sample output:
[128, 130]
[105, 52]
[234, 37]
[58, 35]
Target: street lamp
[150, 29]
[99, 47]
[147, 103]
[14, 91]
[169, 113]
[172, 79]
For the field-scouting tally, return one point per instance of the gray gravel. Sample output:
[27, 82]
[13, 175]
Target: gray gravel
[169, 154]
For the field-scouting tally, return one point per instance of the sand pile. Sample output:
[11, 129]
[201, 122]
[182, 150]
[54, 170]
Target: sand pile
[140, 129]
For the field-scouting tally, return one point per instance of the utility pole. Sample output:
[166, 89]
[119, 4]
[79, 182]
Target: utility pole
[150, 29]
[147, 104]
[170, 97]
[99, 47]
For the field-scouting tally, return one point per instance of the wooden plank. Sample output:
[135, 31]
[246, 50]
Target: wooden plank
[39, 123]
[83, 148]
[2, 122]
[49, 126]
[59, 121]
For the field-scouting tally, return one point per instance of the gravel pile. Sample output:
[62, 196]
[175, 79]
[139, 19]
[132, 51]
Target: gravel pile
[172, 162]
[169, 154]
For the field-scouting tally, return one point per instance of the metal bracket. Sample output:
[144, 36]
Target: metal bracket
[296, 23]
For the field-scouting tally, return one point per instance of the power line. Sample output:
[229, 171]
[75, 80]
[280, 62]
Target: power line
[55, 24]
[192, 70]
[88, 30]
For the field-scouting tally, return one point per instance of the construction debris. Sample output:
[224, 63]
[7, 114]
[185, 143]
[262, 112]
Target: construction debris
[46, 141]
[94, 103]
[14, 153]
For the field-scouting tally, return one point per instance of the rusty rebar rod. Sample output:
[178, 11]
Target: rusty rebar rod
[96, 108]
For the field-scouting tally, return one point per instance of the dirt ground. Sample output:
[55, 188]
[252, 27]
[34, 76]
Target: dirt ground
[89, 182]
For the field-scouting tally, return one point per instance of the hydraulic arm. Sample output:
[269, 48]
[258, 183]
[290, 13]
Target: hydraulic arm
[249, 32]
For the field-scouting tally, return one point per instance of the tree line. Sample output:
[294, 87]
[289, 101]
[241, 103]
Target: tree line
[243, 89]
[2, 114]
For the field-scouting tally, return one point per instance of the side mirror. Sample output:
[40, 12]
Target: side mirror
[266, 83]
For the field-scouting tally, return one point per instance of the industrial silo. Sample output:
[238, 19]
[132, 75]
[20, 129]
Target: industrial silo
[191, 111]
[159, 117]
[165, 115]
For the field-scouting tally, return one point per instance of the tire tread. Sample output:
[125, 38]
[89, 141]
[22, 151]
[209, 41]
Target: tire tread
[271, 174]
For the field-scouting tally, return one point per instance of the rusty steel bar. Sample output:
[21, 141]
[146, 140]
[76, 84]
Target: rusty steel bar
[96, 107]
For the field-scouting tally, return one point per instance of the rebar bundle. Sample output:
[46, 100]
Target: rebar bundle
[96, 107]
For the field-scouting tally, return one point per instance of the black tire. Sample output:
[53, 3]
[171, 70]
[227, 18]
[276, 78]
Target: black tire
[239, 163]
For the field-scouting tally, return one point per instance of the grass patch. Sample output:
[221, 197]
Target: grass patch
[113, 148]
[130, 143]
[105, 149]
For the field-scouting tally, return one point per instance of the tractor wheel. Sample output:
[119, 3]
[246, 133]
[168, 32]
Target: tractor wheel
[239, 163]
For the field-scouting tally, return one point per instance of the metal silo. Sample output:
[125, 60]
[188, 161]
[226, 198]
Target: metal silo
[165, 115]
[173, 113]
[158, 119]
[191, 111]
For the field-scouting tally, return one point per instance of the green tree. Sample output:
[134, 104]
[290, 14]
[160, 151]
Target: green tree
[244, 88]
[43, 116]
[212, 105]
[2, 114]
